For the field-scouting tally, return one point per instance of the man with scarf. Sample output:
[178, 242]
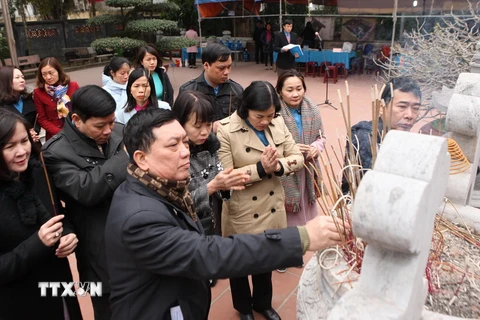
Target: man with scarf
[158, 258]
[87, 162]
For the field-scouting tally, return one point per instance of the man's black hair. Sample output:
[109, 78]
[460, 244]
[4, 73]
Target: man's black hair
[215, 52]
[138, 133]
[92, 101]
[403, 84]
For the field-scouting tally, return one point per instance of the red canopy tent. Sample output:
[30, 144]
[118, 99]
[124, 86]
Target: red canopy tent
[212, 8]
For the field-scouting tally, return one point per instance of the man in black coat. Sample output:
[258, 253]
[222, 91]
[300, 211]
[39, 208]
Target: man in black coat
[285, 59]
[87, 162]
[158, 257]
[257, 38]
[214, 81]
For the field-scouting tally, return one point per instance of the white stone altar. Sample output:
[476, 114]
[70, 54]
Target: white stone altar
[398, 250]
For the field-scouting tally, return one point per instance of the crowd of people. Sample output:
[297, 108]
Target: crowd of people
[159, 198]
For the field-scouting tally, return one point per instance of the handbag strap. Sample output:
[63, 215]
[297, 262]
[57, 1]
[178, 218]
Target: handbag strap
[48, 184]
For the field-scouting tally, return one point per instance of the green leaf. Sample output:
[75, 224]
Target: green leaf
[116, 43]
[127, 3]
[159, 7]
[174, 43]
[150, 25]
[105, 19]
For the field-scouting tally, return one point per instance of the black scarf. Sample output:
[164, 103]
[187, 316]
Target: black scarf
[31, 209]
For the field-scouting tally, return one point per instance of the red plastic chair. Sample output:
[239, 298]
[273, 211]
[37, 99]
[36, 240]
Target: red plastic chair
[311, 68]
[342, 71]
[332, 74]
[323, 66]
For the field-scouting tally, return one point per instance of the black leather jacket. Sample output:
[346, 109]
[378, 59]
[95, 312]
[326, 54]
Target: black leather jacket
[86, 179]
[223, 101]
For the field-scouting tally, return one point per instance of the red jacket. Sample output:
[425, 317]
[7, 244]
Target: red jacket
[47, 109]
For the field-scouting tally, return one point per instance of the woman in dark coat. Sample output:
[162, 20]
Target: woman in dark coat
[14, 97]
[209, 183]
[33, 244]
[267, 39]
[149, 59]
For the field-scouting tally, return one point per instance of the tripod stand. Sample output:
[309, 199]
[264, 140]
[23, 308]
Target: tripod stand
[327, 70]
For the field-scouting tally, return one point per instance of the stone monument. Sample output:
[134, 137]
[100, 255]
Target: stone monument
[394, 212]
[463, 125]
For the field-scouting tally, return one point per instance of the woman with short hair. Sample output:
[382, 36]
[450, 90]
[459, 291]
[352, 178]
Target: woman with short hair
[209, 183]
[255, 140]
[304, 122]
[52, 95]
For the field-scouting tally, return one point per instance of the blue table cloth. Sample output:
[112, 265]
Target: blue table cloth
[333, 57]
[330, 56]
[304, 58]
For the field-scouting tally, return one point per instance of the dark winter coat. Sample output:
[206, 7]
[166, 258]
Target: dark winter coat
[204, 167]
[285, 60]
[223, 101]
[86, 180]
[257, 33]
[159, 258]
[362, 137]
[29, 111]
[24, 259]
[168, 93]
[268, 46]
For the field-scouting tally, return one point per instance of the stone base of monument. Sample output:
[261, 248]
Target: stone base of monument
[464, 215]
[319, 289]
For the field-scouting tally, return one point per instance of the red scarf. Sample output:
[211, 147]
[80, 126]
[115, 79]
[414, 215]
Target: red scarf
[268, 36]
[140, 108]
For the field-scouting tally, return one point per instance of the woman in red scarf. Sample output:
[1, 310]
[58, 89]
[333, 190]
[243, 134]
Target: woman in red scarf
[52, 95]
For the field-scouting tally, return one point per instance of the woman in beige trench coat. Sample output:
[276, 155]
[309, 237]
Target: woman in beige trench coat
[255, 140]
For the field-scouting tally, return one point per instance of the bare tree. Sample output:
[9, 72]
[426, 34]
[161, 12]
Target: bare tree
[436, 58]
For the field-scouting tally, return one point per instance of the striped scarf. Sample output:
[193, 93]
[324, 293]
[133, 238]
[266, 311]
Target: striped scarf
[311, 123]
[59, 94]
[174, 191]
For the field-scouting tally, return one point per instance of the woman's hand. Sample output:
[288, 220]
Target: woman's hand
[319, 144]
[34, 135]
[51, 231]
[269, 159]
[309, 152]
[67, 245]
[228, 180]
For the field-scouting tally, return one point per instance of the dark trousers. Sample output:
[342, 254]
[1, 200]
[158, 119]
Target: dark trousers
[261, 299]
[268, 56]
[258, 52]
[101, 307]
[192, 58]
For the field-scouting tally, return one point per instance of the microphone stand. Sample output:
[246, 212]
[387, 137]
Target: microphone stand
[327, 102]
